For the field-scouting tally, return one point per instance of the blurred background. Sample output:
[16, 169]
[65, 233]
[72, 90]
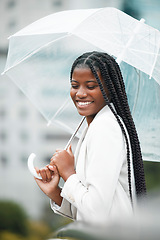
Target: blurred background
[23, 130]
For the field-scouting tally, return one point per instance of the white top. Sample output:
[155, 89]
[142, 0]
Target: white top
[99, 191]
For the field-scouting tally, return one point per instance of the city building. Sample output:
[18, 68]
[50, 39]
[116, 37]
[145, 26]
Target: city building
[22, 129]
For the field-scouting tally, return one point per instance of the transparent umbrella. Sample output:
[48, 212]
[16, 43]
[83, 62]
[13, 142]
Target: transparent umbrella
[40, 57]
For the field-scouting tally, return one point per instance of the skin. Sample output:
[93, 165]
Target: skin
[85, 89]
[88, 99]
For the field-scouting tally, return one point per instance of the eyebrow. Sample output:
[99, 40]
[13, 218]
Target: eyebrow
[93, 81]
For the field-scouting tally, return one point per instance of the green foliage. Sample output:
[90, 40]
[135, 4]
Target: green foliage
[152, 175]
[5, 235]
[38, 230]
[13, 218]
[15, 225]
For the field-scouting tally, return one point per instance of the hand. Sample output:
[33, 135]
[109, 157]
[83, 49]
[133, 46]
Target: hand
[64, 161]
[49, 183]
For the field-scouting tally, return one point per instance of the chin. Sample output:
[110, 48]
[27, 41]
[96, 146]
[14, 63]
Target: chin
[82, 114]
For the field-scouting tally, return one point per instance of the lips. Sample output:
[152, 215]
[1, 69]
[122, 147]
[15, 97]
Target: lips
[81, 104]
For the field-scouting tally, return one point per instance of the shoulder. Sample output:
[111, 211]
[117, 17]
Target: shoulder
[105, 124]
[105, 135]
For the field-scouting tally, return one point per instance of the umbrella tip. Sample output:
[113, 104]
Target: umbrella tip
[9, 37]
[49, 123]
[142, 20]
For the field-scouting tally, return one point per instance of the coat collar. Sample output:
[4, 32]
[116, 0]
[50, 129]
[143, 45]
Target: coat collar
[105, 110]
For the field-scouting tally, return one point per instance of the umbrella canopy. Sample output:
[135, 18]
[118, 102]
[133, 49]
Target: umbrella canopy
[40, 57]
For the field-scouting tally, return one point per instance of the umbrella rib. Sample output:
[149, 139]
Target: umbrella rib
[136, 30]
[138, 89]
[153, 65]
[35, 51]
[59, 123]
[120, 28]
[75, 132]
[68, 33]
[58, 111]
[100, 9]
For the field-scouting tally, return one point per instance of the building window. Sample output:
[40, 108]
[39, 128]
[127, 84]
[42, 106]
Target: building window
[11, 4]
[2, 113]
[3, 136]
[3, 160]
[23, 113]
[24, 159]
[24, 136]
[12, 24]
[49, 136]
[52, 136]
[57, 3]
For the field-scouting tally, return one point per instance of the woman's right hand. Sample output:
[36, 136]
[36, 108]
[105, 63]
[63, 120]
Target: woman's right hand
[49, 183]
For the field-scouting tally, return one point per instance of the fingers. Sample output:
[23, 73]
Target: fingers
[53, 168]
[58, 150]
[46, 174]
[69, 149]
[37, 169]
[55, 157]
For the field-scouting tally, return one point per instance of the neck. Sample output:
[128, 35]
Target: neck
[90, 119]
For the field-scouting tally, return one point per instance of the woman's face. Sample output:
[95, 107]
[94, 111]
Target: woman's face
[86, 94]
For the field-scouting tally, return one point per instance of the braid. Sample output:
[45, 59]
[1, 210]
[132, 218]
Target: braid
[138, 165]
[113, 80]
[121, 125]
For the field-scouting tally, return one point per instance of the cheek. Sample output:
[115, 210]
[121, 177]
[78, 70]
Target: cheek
[72, 93]
[100, 99]
[99, 96]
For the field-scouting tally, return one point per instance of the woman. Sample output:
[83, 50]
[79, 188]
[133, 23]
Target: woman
[104, 178]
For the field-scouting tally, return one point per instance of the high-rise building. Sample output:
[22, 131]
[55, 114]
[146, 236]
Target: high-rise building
[22, 129]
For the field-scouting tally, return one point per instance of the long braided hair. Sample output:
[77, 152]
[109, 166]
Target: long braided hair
[113, 80]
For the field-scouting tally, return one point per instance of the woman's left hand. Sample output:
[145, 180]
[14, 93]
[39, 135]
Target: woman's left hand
[64, 161]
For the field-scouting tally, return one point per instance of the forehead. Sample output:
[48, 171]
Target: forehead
[82, 73]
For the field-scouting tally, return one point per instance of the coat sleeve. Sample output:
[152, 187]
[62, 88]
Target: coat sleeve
[105, 157]
[66, 209]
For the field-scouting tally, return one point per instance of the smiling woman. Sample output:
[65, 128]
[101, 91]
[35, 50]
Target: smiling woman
[86, 94]
[105, 176]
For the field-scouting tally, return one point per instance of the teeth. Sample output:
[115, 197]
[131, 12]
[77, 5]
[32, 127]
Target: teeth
[84, 103]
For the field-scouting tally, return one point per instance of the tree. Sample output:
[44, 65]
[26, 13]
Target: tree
[13, 218]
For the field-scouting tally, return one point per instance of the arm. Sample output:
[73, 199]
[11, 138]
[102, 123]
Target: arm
[49, 183]
[50, 180]
[105, 149]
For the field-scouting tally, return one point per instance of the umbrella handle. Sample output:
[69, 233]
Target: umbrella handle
[75, 132]
[33, 155]
[31, 166]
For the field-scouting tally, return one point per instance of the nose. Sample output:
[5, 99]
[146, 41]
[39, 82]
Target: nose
[81, 93]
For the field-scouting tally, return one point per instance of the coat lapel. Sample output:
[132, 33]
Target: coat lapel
[79, 144]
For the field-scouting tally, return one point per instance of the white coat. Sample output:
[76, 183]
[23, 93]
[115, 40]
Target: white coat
[98, 192]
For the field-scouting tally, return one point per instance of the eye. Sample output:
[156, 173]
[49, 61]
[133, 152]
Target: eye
[92, 87]
[74, 86]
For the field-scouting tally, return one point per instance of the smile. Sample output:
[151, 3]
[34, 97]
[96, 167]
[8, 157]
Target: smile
[83, 103]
